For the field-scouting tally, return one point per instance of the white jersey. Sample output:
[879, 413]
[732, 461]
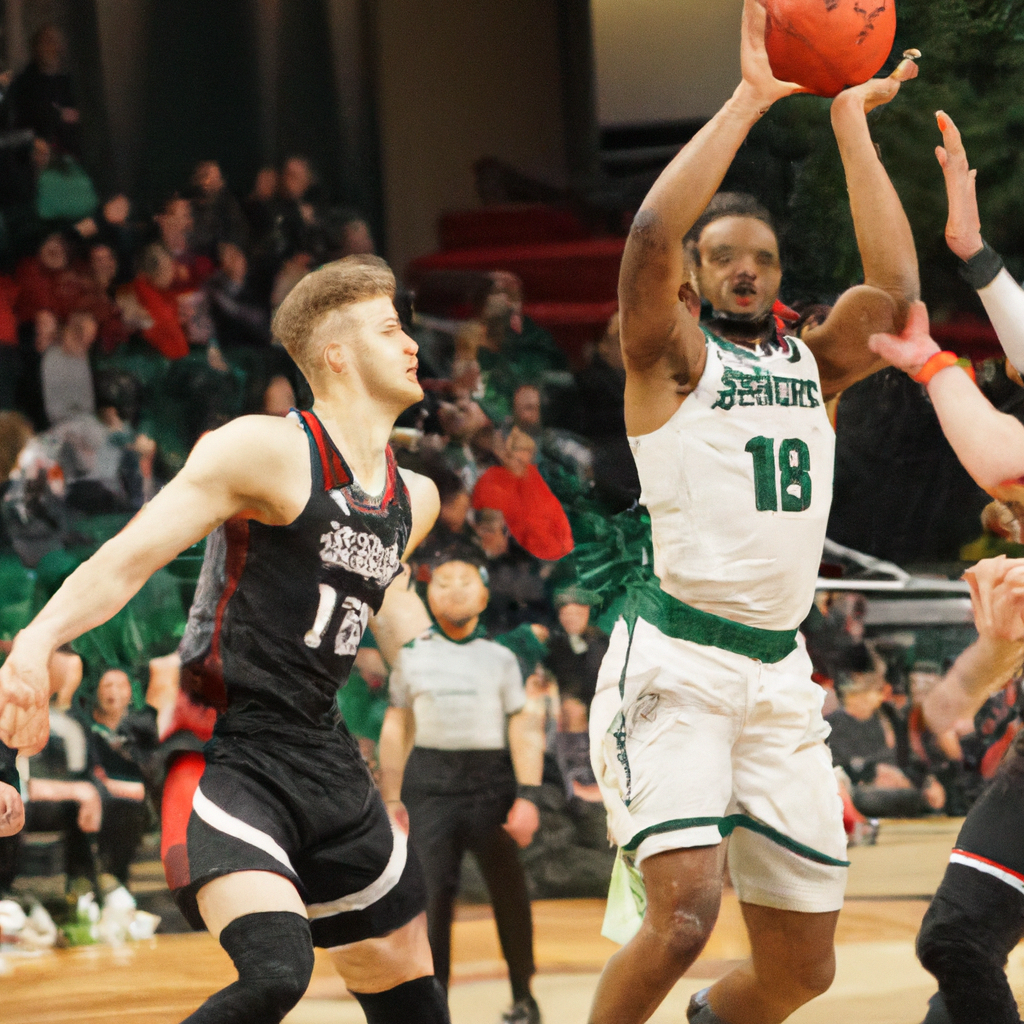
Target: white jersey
[738, 484]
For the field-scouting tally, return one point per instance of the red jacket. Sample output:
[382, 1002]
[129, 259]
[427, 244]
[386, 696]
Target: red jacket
[166, 334]
[533, 514]
[59, 291]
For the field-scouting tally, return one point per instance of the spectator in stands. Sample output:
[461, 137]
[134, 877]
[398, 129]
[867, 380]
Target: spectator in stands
[864, 744]
[118, 739]
[156, 300]
[175, 223]
[534, 517]
[297, 219]
[601, 420]
[575, 648]
[258, 207]
[514, 350]
[101, 275]
[47, 281]
[472, 778]
[68, 389]
[461, 423]
[112, 226]
[516, 577]
[75, 469]
[10, 355]
[15, 434]
[64, 192]
[451, 527]
[42, 96]
[558, 451]
[217, 214]
[240, 320]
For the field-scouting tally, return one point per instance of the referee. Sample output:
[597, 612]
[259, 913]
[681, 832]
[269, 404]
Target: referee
[464, 753]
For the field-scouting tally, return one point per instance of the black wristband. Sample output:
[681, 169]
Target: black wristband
[982, 268]
[531, 793]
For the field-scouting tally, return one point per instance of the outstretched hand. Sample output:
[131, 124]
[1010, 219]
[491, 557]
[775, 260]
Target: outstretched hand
[757, 70]
[876, 92]
[24, 702]
[913, 348]
[963, 224]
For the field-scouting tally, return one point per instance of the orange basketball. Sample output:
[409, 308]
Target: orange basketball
[827, 45]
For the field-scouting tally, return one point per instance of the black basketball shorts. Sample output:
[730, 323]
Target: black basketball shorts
[309, 813]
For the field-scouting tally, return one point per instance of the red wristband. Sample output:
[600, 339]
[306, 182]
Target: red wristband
[940, 361]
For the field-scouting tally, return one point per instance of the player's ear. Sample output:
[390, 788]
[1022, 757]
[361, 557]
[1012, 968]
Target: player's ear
[690, 299]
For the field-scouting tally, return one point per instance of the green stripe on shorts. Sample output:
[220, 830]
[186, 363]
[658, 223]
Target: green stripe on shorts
[726, 826]
[649, 602]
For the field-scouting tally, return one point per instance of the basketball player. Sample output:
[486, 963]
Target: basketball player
[706, 721]
[977, 915]
[288, 844]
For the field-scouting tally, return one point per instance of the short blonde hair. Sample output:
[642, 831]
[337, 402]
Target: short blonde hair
[327, 290]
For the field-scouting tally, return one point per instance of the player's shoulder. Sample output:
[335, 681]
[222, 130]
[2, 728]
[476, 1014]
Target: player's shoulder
[256, 454]
[256, 433]
[421, 488]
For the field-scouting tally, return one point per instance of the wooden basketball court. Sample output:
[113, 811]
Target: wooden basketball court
[879, 980]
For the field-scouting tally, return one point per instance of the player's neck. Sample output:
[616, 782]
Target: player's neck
[360, 428]
[749, 332]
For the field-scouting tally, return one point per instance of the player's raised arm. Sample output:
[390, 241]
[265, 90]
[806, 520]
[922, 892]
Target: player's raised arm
[884, 239]
[989, 443]
[257, 465]
[997, 597]
[980, 266]
[662, 344]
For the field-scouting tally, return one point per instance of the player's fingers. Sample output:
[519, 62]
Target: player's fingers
[942, 156]
[905, 70]
[884, 345]
[951, 137]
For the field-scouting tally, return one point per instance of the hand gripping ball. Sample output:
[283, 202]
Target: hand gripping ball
[828, 45]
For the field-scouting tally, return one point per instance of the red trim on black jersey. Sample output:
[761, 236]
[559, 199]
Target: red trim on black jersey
[991, 863]
[236, 533]
[175, 810]
[380, 509]
[334, 471]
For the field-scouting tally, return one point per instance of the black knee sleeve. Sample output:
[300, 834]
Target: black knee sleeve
[970, 927]
[273, 953]
[421, 1001]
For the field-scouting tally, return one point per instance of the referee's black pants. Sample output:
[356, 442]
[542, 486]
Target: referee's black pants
[458, 800]
[977, 916]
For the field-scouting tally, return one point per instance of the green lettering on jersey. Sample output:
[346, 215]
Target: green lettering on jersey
[760, 388]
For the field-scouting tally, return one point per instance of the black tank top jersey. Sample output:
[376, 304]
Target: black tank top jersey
[280, 611]
[8, 767]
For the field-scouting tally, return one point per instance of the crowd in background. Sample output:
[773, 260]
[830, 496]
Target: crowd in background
[125, 336]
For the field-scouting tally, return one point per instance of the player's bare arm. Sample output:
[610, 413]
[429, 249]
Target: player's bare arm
[662, 343]
[257, 466]
[988, 443]
[997, 597]
[884, 239]
[1001, 295]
